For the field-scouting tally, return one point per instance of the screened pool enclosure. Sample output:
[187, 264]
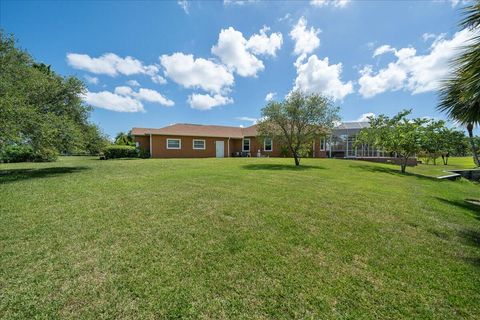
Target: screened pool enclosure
[341, 143]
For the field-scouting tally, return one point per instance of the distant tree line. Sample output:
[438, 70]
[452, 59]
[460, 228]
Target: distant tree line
[42, 113]
[406, 138]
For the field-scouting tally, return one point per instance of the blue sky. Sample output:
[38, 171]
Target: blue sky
[150, 64]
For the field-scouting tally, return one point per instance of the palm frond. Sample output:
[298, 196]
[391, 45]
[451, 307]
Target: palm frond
[471, 16]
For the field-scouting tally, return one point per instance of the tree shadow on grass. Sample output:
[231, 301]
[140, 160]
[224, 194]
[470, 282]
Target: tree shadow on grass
[279, 167]
[13, 175]
[475, 209]
[393, 171]
[469, 236]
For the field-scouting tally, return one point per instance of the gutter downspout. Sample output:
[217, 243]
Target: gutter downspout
[228, 148]
[151, 154]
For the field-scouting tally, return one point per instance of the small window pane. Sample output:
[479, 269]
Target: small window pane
[268, 144]
[173, 144]
[198, 144]
[246, 144]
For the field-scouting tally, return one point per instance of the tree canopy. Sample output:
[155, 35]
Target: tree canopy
[40, 108]
[460, 93]
[124, 139]
[298, 121]
[398, 135]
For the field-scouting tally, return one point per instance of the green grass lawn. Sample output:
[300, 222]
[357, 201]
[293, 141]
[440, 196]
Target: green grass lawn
[235, 238]
[439, 169]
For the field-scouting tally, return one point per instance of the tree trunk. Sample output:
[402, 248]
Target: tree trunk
[403, 164]
[297, 159]
[472, 143]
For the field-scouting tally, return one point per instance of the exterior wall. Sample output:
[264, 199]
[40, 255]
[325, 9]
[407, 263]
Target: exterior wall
[159, 147]
[235, 146]
[143, 142]
[257, 144]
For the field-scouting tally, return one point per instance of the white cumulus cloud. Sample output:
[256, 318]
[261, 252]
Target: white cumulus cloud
[238, 2]
[413, 72]
[364, 117]
[265, 44]
[158, 79]
[427, 36]
[232, 51]
[133, 83]
[196, 73]
[110, 64]
[306, 39]
[383, 49]
[270, 96]
[144, 95]
[112, 101]
[455, 3]
[391, 78]
[334, 3]
[250, 119]
[91, 80]
[317, 75]
[207, 102]
[184, 5]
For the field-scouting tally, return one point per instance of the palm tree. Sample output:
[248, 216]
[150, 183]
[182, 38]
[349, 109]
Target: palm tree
[460, 95]
[125, 139]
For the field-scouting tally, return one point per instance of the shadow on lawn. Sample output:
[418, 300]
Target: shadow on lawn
[274, 166]
[12, 175]
[463, 205]
[394, 171]
[472, 238]
[469, 236]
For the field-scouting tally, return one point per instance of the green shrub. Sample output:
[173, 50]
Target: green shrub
[117, 151]
[45, 155]
[284, 151]
[16, 153]
[144, 154]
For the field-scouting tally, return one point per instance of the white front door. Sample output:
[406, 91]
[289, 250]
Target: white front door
[220, 148]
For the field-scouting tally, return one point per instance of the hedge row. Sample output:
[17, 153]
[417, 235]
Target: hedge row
[119, 151]
[24, 153]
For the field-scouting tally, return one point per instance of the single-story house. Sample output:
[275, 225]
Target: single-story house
[184, 140]
[202, 141]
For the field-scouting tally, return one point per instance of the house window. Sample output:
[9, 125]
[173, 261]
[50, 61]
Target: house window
[267, 144]
[198, 144]
[322, 144]
[174, 144]
[246, 145]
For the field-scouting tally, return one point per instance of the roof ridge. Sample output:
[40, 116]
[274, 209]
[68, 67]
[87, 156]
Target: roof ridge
[204, 125]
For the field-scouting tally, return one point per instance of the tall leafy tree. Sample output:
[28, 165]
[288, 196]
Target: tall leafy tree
[38, 107]
[453, 143]
[398, 135]
[460, 94]
[298, 121]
